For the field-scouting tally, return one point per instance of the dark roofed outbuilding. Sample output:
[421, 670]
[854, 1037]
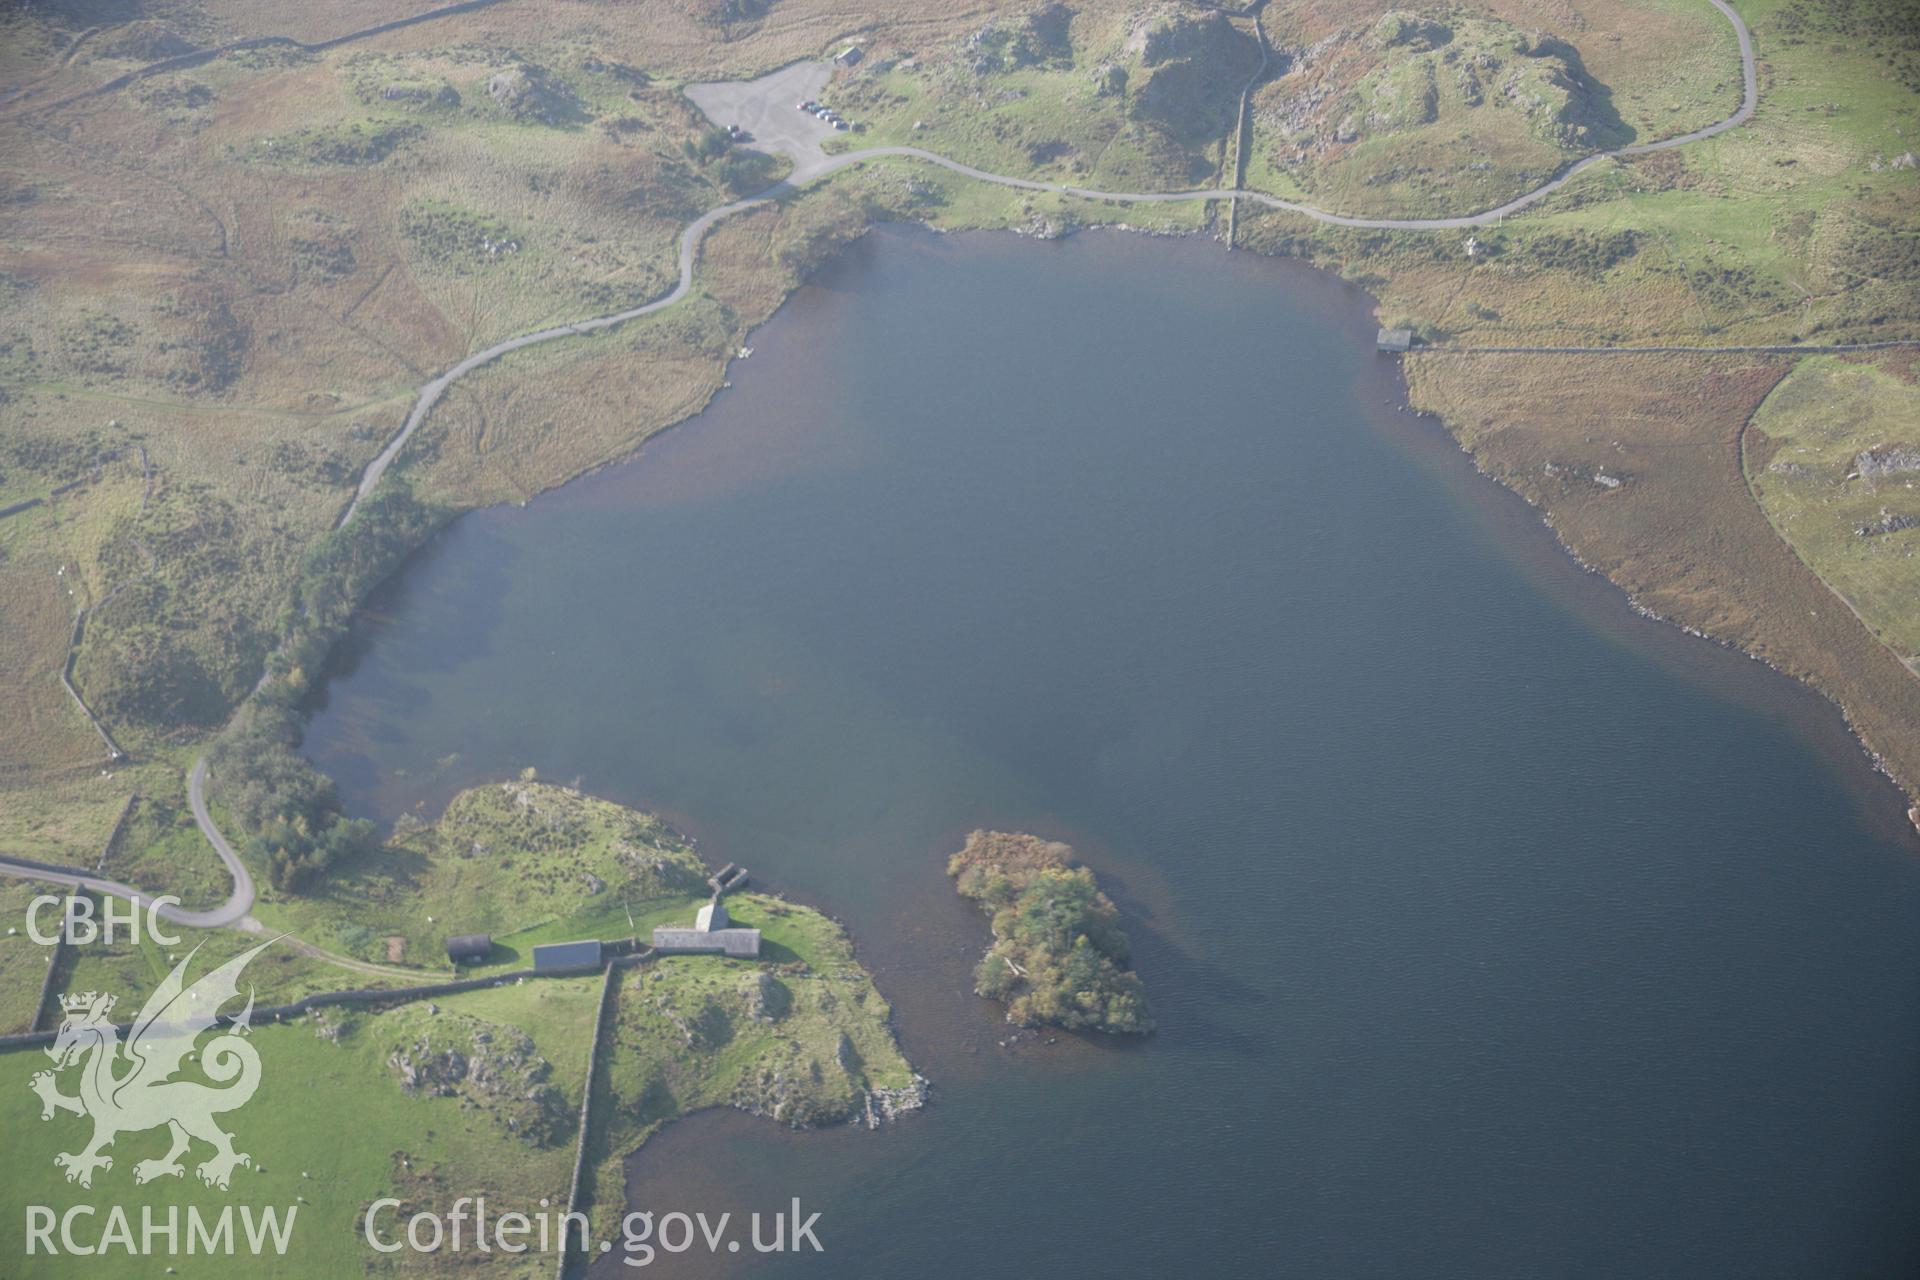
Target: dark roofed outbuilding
[469, 948]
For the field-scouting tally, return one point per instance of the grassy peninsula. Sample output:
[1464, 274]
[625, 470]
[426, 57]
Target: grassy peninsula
[1058, 957]
[481, 1091]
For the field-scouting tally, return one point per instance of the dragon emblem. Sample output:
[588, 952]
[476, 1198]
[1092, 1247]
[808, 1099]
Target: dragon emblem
[130, 1088]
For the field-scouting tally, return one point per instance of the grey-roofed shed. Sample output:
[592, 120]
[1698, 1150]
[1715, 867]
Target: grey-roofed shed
[564, 957]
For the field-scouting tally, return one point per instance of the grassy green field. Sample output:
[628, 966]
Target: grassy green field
[23, 962]
[1833, 456]
[333, 1126]
[132, 970]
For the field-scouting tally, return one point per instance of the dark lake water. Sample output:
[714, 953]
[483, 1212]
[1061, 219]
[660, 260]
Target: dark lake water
[1493, 930]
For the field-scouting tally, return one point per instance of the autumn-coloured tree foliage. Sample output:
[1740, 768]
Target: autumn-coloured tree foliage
[1058, 955]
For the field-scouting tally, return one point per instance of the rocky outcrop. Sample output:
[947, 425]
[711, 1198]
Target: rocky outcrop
[1040, 38]
[1409, 30]
[797, 1093]
[527, 92]
[704, 1028]
[1166, 34]
[1109, 80]
[1407, 71]
[1886, 460]
[884, 1105]
[768, 999]
[1555, 98]
[1195, 63]
[488, 1067]
[1888, 522]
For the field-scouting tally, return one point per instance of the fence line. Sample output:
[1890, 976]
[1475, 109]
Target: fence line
[200, 57]
[586, 1114]
[1242, 132]
[113, 836]
[607, 985]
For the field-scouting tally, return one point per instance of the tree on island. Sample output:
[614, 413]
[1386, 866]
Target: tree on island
[1059, 956]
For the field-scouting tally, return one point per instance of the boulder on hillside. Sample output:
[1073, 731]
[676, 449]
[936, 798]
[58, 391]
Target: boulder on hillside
[527, 92]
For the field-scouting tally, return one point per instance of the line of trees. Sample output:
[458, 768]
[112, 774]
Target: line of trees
[288, 811]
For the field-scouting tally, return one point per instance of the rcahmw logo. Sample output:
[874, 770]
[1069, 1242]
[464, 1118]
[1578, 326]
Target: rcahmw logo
[130, 1088]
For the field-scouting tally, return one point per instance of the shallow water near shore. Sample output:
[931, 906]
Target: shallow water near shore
[1493, 930]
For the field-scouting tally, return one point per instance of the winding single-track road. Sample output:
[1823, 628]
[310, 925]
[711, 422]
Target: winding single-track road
[230, 912]
[812, 164]
[240, 901]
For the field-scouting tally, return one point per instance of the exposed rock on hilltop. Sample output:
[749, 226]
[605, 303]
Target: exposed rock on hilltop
[1040, 38]
[1411, 30]
[527, 92]
[1164, 34]
[1407, 71]
[1139, 91]
[1196, 62]
[1058, 956]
